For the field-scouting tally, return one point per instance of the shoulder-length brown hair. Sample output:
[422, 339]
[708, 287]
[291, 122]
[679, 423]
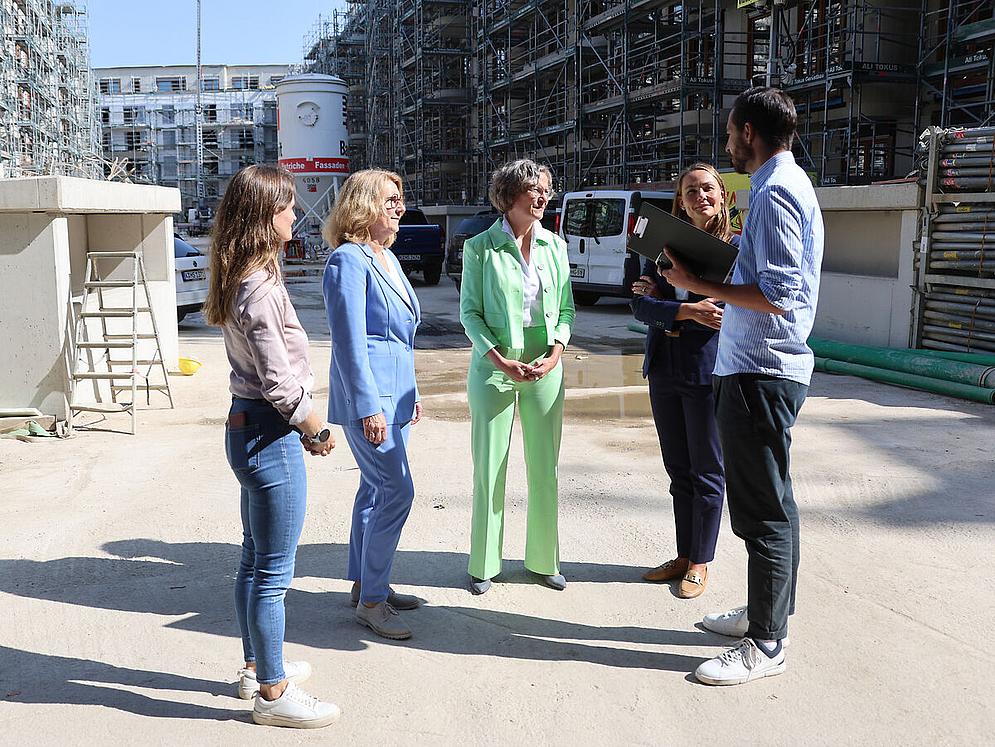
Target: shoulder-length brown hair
[244, 240]
[358, 206]
[721, 224]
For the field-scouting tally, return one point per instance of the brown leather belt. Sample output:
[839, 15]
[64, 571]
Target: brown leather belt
[672, 332]
[237, 420]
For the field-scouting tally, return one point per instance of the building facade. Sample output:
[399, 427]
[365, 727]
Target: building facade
[148, 115]
[624, 93]
[48, 123]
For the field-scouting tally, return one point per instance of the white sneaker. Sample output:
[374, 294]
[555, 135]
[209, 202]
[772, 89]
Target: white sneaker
[743, 663]
[295, 709]
[295, 671]
[732, 623]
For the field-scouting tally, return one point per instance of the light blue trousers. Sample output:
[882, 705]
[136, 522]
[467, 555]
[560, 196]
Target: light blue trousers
[383, 502]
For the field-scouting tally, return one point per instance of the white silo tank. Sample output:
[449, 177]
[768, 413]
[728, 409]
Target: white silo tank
[312, 139]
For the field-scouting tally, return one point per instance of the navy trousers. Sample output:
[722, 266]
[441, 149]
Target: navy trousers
[685, 424]
[755, 414]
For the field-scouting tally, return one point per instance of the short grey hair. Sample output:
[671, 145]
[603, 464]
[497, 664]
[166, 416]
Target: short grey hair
[510, 180]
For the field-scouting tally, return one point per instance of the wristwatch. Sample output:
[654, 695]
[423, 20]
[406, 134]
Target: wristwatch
[318, 438]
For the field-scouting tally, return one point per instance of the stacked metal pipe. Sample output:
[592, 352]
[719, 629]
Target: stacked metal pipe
[962, 244]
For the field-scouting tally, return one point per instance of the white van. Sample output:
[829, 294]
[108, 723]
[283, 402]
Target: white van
[596, 226]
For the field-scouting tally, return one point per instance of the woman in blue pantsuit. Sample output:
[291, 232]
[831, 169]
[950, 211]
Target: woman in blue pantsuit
[681, 344]
[372, 316]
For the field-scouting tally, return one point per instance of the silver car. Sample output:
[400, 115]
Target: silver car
[191, 278]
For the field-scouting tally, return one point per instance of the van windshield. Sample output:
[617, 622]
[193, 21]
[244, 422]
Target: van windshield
[597, 217]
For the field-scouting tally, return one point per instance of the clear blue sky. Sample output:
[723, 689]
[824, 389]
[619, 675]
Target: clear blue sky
[164, 32]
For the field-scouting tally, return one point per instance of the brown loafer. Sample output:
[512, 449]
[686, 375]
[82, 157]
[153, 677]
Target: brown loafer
[693, 584]
[667, 572]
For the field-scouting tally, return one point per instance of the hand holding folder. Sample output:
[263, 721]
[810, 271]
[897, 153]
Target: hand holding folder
[705, 255]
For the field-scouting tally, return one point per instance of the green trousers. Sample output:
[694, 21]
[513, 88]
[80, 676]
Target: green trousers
[492, 397]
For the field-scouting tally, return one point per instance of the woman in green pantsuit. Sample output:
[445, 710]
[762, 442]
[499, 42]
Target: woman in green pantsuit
[517, 308]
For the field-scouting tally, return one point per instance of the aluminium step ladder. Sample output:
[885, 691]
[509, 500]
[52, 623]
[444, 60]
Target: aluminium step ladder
[93, 356]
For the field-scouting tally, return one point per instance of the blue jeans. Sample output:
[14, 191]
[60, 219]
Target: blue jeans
[268, 460]
[382, 505]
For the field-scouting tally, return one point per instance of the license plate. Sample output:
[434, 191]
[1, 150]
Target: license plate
[576, 272]
[408, 257]
[189, 275]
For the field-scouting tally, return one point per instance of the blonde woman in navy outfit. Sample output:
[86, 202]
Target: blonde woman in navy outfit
[681, 343]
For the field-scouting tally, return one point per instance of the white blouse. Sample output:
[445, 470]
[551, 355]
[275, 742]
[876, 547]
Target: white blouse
[395, 279]
[531, 283]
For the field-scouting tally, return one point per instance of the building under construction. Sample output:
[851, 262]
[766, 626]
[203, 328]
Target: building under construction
[48, 123]
[628, 92]
[148, 114]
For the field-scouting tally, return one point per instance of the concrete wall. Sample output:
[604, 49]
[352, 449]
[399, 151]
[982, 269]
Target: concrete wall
[867, 270]
[47, 226]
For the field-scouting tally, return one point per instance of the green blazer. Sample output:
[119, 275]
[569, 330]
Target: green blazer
[491, 289]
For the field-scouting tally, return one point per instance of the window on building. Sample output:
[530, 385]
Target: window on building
[136, 85]
[133, 139]
[212, 84]
[211, 139]
[167, 115]
[105, 140]
[244, 139]
[210, 112]
[242, 112]
[133, 114]
[274, 79]
[171, 84]
[245, 82]
[110, 85]
[105, 116]
[168, 138]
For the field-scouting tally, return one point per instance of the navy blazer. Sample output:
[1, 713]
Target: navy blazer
[689, 358]
[373, 338]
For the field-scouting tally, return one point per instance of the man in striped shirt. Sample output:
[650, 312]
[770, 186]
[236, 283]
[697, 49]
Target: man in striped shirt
[762, 373]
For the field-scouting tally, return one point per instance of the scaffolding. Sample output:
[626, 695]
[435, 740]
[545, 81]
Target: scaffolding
[957, 62]
[336, 45]
[47, 121]
[149, 136]
[626, 93]
[432, 91]
[850, 66]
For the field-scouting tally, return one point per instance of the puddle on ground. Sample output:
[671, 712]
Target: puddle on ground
[599, 387]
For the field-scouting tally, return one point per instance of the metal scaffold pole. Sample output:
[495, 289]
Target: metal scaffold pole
[199, 122]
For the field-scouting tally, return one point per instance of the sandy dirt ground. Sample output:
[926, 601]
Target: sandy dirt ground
[118, 552]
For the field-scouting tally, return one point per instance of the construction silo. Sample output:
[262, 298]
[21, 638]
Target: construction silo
[312, 137]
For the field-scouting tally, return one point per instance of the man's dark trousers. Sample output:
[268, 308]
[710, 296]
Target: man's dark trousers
[755, 414]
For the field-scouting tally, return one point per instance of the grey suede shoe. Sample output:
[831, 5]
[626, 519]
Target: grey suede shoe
[479, 586]
[383, 620]
[395, 600]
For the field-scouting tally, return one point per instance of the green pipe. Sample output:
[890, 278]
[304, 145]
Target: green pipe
[977, 358]
[906, 361]
[924, 383]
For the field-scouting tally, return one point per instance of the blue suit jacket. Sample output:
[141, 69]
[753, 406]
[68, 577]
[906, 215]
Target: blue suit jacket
[373, 336]
[689, 358]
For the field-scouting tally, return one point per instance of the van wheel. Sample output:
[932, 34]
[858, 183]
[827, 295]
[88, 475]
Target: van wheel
[432, 275]
[586, 298]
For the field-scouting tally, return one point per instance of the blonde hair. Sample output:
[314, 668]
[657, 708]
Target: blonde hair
[721, 224]
[358, 206]
[243, 239]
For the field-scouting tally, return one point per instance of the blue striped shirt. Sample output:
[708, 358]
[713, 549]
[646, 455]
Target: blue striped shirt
[781, 253]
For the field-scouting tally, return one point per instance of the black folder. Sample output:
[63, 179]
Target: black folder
[707, 256]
